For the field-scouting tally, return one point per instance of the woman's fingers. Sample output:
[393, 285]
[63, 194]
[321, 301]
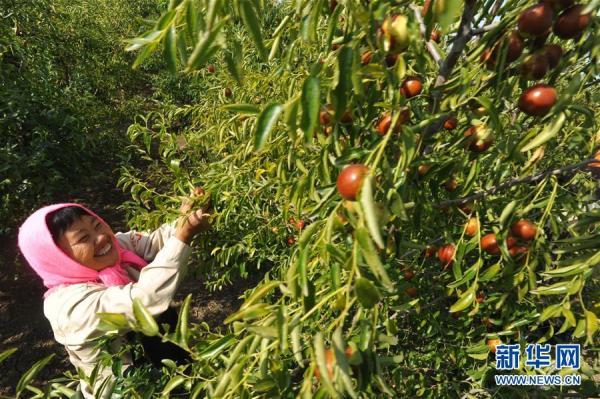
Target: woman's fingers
[187, 204]
[199, 219]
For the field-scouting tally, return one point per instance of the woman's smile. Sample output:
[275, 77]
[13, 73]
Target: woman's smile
[104, 250]
[90, 242]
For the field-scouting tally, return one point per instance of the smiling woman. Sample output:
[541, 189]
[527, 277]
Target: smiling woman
[83, 237]
[88, 269]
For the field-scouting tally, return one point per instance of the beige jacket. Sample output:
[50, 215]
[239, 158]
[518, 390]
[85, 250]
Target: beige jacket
[71, 309]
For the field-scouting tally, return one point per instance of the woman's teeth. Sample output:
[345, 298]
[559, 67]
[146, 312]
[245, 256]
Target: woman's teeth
[104, 250]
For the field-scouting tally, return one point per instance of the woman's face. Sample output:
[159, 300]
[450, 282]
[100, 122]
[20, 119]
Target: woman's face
[90, 243]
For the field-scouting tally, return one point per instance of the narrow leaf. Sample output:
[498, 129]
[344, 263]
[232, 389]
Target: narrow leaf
[310, 106]
[366, 292]
[266, 121]
[247, 109]
[464, 301]
[173, 383]
[32, 373]
[371, 258]
[549, 132]
[182, 329]
[145, 320]
[368, 205]
[170, 50]
[250, 19]
[7, 353]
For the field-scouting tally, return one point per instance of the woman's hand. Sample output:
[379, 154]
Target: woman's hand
[194, 220]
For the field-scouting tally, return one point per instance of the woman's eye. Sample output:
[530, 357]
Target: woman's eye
[98, 226]
[84, 238]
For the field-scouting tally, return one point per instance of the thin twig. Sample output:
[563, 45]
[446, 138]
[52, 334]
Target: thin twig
[464, 32]
[423, 29]
[462, 37]
[592, 83]
[484, 29]
[496, 7]
[514, 182]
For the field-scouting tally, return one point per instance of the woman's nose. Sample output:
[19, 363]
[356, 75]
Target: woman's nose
[102, 239]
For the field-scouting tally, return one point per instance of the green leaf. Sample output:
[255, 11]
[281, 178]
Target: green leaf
[468, 274]
[567, 270]
[302, 272]
[7, 353]
[558, 288]
[68, 392]
[371, 258]
[251, 312]
[591, 326]
[182, 328]
[282, 327]
[281, 25]
[165, 20]
[139, 42]
[173, 383]
[291, 116]
[191, 18]
[274, 48]
[446, 12]
[579, 329]
[479, 356]
[464, 301]
[266, 121]
[31, 374]
[322, 364]
[145, 320]
[216, 347]
[233, 55]
[112, 321]
[339, 349]
[551, 311]
[368, 205]
[310, 106]
[247, 109]
[549, 132]
[490, 272]
[264, 331]
[145, 53]
[259, 293]
[296, 345]
[507, 212]
[569, 316]
[250, 19]
[344, 84]
[170, 50]
[366, 293]
[214, 6]
[308, 233]
[204, 48]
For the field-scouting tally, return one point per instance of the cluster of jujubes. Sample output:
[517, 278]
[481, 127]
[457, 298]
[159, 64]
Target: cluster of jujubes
[534, 25]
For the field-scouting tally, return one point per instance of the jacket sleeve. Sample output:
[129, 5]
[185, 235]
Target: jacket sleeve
[73, 311]
[146, 244]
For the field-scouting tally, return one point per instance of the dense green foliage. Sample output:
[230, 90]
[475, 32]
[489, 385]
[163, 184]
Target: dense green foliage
[341, 280]
[67, 94]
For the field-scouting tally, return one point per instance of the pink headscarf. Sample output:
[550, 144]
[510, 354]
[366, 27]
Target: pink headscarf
[57, 268]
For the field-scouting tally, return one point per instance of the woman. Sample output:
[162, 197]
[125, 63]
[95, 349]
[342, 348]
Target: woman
[88, 269]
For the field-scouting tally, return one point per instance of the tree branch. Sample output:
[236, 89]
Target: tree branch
[514, 182]
[423, 29]
[483, 29]
[462, 37]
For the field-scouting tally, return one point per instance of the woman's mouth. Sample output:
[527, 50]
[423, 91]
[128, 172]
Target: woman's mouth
[103, 251]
